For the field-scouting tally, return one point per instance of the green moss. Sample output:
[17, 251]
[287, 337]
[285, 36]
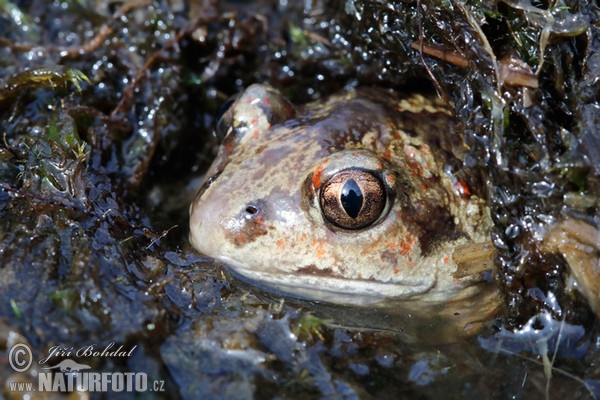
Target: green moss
[15, 309]
[52, 77]
[308, 326]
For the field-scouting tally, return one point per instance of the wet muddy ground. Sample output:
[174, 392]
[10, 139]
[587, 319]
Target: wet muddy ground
[107, 114]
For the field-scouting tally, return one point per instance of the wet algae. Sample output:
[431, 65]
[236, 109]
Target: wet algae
[107, 114]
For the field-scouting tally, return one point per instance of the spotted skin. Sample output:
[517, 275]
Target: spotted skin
[259, 209]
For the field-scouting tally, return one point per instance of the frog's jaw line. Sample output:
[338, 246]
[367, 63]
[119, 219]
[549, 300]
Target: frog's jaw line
[330, 290]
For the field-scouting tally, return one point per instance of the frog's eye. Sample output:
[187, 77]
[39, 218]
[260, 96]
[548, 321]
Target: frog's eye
[353, 199]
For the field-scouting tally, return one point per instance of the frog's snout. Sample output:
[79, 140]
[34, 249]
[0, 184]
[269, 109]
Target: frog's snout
[248, 224]
[199, 221]
[214, 223]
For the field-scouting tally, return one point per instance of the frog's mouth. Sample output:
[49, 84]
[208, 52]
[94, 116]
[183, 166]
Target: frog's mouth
[327, 289]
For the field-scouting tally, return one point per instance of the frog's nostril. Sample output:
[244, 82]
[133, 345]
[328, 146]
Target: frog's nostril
[251, 210]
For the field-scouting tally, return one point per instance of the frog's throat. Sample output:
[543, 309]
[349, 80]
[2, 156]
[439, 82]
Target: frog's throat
[330, 290]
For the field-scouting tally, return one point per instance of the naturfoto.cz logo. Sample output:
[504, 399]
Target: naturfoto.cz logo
[69, 375]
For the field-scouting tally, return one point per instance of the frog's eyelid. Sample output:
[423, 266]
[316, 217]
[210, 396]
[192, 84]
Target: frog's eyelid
[223, 129]
[224, 116]
[226, 106]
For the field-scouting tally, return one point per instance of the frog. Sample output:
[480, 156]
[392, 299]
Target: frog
[360, 198]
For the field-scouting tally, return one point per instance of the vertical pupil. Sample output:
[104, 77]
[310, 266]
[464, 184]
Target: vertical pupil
[352, 198]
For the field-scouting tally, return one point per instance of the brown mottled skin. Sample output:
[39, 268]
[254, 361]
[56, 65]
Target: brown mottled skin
[259, 211]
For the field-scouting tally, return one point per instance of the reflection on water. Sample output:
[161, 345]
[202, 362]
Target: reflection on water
[255, 349]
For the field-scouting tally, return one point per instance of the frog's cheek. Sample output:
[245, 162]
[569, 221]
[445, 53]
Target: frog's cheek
[329, 289]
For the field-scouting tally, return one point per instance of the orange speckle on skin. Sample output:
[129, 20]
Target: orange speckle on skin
[415, 168]
[405, 248]
[316, 178]
[373, 245]
[280, 243]
[319, 248]
[446, 259]
[406, 244]
[462, 188]
[424, 186]
[390, 179]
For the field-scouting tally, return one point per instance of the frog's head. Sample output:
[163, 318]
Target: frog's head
[311, 202]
